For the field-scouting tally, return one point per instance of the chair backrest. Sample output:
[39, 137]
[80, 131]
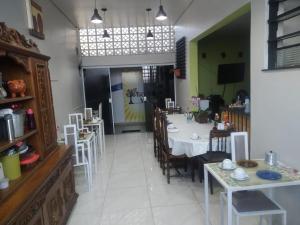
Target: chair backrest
[88, 114]
[70, 135]
[170, 104]
[239, 146]
[100, 110]
[164, 132]
[218, 138]
[77, 120]
[166, 102]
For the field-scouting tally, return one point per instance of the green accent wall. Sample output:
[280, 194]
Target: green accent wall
[213, 46]
[192, 60]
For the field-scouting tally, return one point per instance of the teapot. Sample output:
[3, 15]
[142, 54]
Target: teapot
[271, 158]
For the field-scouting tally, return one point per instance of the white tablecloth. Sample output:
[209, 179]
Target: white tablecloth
[181, 141]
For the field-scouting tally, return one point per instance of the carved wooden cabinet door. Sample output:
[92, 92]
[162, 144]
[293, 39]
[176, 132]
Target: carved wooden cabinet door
[53, 208]
[68, 186]
[37, 219]
[45, 102]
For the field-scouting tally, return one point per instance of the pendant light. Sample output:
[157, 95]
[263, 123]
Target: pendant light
[105, 33]
[96, 18]
[149, 34]
[161, 14]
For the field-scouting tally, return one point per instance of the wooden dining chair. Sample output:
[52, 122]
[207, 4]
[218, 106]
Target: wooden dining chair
[168, 160]
[155, 132]
[218, 151]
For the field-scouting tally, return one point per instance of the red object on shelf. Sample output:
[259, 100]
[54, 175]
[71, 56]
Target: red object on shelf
[30, 159]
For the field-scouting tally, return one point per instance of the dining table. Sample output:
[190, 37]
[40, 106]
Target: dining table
[288, 178]
[180, 137]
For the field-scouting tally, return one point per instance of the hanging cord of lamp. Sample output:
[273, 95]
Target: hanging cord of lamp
[161, 14]
[105, 33]
[96, 18]
[149, 34]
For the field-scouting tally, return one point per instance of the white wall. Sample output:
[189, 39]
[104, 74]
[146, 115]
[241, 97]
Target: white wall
[60, 45]
[274, 109]
[130, 60]
[199, 17]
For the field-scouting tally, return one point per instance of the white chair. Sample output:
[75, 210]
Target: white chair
[248, 203]
[170, 104]
[239, 146]
[88, 114]
[77, 120]
[166, 102]
[80, 158]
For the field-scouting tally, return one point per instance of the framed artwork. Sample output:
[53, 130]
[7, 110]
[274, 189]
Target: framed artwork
[35, 19]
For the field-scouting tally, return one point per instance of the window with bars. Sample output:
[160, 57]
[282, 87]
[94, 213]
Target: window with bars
[149, 74]
[284, 34]
[126, 41]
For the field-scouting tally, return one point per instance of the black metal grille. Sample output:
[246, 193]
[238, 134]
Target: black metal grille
[284, 34]
[181, 57]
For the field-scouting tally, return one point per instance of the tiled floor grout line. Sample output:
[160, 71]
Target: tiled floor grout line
[106, 187]
[147, 188]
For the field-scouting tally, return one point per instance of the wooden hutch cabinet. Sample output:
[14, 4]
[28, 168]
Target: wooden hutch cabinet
[45, 193]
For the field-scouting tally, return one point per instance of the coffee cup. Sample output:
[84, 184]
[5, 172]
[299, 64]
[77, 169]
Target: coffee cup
[195, 136]
[239, 173]
[227, 164]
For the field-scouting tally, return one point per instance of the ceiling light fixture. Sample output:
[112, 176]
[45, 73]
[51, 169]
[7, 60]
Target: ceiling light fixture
[149, 36]
[161, 14]
[96, 18]
[105, 33]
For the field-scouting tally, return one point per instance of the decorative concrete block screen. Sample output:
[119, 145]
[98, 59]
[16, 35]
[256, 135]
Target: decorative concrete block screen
[127, 41]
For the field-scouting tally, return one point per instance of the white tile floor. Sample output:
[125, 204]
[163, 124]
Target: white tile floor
[129, 189]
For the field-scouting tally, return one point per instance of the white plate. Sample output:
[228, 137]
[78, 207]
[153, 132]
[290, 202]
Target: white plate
[232, 168]
[238, 178]
[173, 130]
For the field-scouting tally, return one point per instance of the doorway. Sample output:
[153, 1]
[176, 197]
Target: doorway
[97, 89]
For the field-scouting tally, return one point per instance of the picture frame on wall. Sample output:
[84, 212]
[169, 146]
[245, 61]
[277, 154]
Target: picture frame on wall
[35, 19]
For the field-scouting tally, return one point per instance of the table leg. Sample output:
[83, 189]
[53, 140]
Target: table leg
[206, 196]
[271, 196]
[229, 207]
[95, 152]
[100, 139]
[103, 135]
[90, 160]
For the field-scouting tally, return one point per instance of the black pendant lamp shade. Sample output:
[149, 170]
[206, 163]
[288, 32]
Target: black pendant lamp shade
[96, 18]
[105, 34]
[149, 35]
[161, 14]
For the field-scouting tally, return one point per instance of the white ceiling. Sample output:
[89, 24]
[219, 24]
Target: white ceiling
[120, 13]
[239, 27]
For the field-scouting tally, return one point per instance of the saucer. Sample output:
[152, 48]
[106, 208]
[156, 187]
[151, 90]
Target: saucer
[233, 166]
[239, 178]
[195, 138]
[173, 130]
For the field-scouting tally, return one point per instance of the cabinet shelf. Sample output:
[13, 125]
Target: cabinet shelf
[12, 100]
[4, 144]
